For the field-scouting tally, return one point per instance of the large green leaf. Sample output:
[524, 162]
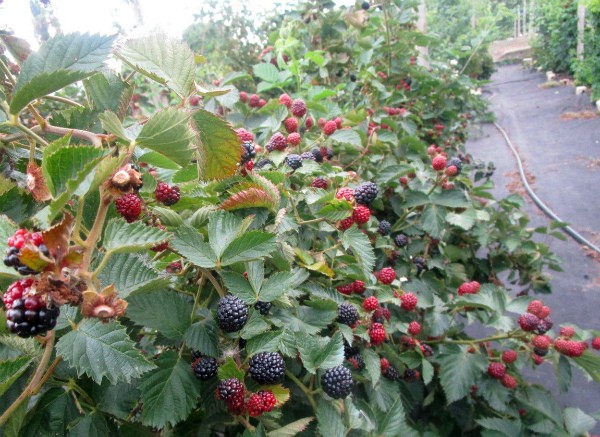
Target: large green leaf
[161, 309]
[90, 425]
[577, 422]
[291, 429]
[61, 60]
[251, 246]
[168, 133]
[202, 337]
[590, 363]
[508, 428]
[223, 228]
[54, 410]
[10, 370]
[347, 136]
[317, 352]
[102, 350]
[219, 145]
[458, 371]
[130, 272]
[266, 71]
[330, 420]
[121, 236]
[169, 393]
[108, 92]
[239, 286]
[190, 244]
[433, 220]
[361, 247]
[166, 60]
[393, 420]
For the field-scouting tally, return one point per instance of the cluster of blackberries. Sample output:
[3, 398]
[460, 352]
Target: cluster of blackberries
[248, 152]
[16, 243]
[27, 313]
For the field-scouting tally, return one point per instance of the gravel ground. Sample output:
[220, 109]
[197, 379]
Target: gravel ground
[561, 155]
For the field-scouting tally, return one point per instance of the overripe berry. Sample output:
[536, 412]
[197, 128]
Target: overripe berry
[267, 367]
[358, 287]
[129, 207]
[361, 214]
[248, 152]
[508, 381]
[357, 362]
[263, 307]
[541, 341]
[205, 368]
[401, 240]
[347, 314]
[286, 100]
[377, 333]
[320, 182]
[366, 193]
[409, 301]
[386, 275]
[255, 405]
[337, 382]
[346, 289]
[567, 331]
[298, 108]
[294, 139]
[346, 223]
[496, 370]
[509, 356]
[291, 124]
[329, 128]
[365, 5]
[438, 162]
[345, 193]
[232, 313]
[384, 228]
[293, 161]
[528, 322]
[244, 135]
[596, 343]
[381, 315]
[166, 194]
[277, 142]
[370, 303]
[414, 328]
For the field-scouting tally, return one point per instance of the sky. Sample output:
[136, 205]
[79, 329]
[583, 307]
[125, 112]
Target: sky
[98, 16]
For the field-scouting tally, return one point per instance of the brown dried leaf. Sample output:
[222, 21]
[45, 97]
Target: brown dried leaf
[57, 238]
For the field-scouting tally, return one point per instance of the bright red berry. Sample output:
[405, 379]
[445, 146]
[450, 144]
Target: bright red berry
[409, 301]
[567, 331]
[508, 381]
[403, 180]
[469, 288]
[346, 223]
[361, 214]
[358, 287]
[414, 328]
[496, 370]
[370, 303]
[298, 108]
[277, 142]
[286, 100]
[166, 194]
[534, 307]
[129, 207]
[320, 182]
[377, 333]
[244, 135]
[596, 343]
[16, 290]
[345, 193]
[338, 122]
[509, 356]
[385, 364]
[329, 127]
[308, 122]
[386, 275]
[269, 400]
[255, 405]
[243, 96]
[541, 341]
[570, 348]
[439, 162]
[294, 139]
[291, 124]
[346, 289]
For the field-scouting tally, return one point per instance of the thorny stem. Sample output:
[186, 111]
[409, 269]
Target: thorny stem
[246, 424]
[94, 235]
[512, 334]
[214, 282]
[37, 376]
[64, 100]
[7, 72]
[304, 389]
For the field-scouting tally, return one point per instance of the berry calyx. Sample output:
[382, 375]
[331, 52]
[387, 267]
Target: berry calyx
[129, 207]
[166, 194]
[370, 303]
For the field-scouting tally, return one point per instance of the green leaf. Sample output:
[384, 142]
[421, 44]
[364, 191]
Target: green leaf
[330, 420]
[10, 370]
[190, 244]
[130, 273]
[347, 136]
[361, 247]
[317, 352]
[562, 370]
[433, 220]
[202, 337]
[372, 365]
[239, 286]
[590, 363]
[464, 220]
[266, 342]
[108, 92]
[52, 413]
[112, 124]
[167, 61]
[91, 425]
[393, 420]
[61, 60]
[458, 371]
[577, 422]
[169, 393]
[102, 350]
[336, 210]
[291, 429]
[168, 133]
[163, 310]
[451, 199]
[508, 428]
[253, 245]
[266, 71]
[121, 236]
[229, 369]
[223, 228]
[219, 145]
[254, 326]
[276, 286]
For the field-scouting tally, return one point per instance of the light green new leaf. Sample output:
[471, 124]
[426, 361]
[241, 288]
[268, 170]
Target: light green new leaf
[190, 244]
[61, 60]
[168, 133]
[102, 350]
[220, 147]
[108, 92]
[361, 247]
[111, 124]
[458, 370]
[121, 236]
[166, 60]
[169, 393]
[162, 309]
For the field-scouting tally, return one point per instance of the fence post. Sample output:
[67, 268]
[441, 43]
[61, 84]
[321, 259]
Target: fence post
[580, 31]
[525, 17]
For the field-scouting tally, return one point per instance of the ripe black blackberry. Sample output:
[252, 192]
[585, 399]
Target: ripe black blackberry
[337, 382]
[293, 161]
[317, 154]
[30, 317]
[384, 228]
[456, 162]
[232, 313]
[366, 193]
[348, 314]
[401, 240]
[205, 368]
[263, 307]
[267, 367]
[365, 5]
[196, 355]
[229, 388]
[248, 152]
[391, 373]
[308, 155]
[263, 163]
[420, 263]
[540, 352]
[350, 350]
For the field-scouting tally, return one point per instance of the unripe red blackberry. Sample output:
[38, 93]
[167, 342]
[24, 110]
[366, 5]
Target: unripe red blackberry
[232, 313]
[596, 343]
[377, 333]
[346, 193]
[255, 405]
[567, 331]
[294, 139]
[269, 400]
[346, 289]
[438, 162]
[370, 303]
[496, 370]
[357, 362]
[337, 382]
[244, 135]
[329, 128]
[528, 322]
[267, 367]
[16, 242]
[166, 194]
[298, 108]
[277, 142]
[508, 381]
[320, 182]
[254, 101]
[229, 388]
[361, 214]
[414, 328]
[409, 301]
[346, 223]
[291, 124]
[358, 287]
[386, 275]
[286, 100]
[509, 356]
[129, 207]
[381, 315]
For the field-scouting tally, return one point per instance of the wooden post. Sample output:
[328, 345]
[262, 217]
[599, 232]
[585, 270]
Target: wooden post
[531, 16]
[525, 17]
[422, 27]
[518, 21]
[580, 31]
